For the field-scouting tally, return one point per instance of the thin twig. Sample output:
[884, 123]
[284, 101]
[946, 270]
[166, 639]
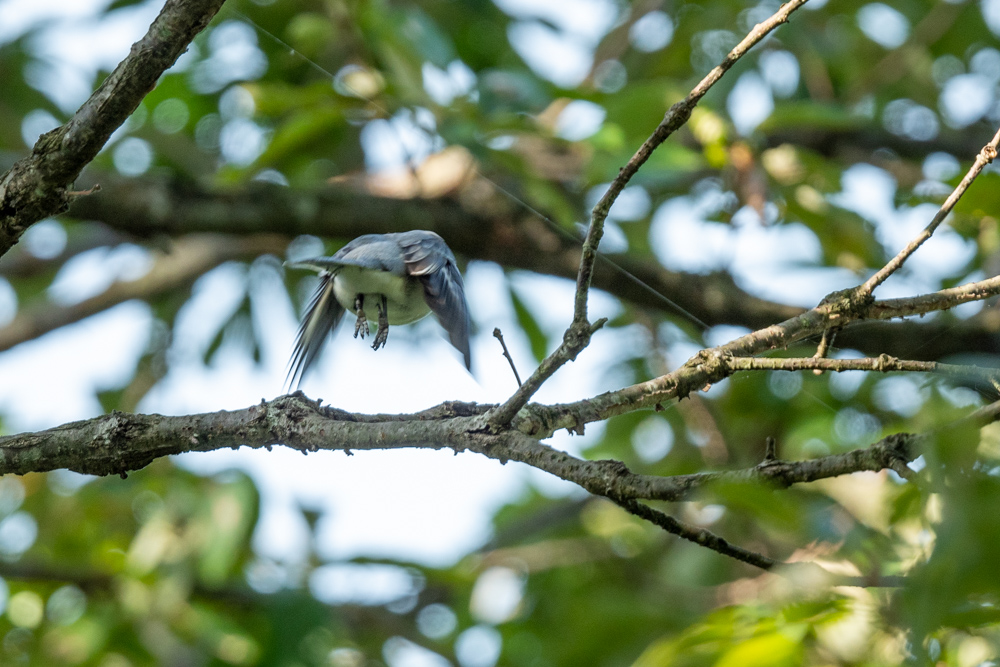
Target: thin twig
[941, 300]
[710, 540]
[824, 347]
[675, 117]
[882, 364]
[499, 336]
[986, 155]
[700, 536]
[578, 335]
[770, 450]
[84, 193]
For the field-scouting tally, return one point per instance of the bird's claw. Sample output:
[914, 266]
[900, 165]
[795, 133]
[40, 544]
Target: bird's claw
[361, 325]
[383, 325]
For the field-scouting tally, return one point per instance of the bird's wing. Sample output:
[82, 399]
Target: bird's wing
[322, 317]
[428, 258]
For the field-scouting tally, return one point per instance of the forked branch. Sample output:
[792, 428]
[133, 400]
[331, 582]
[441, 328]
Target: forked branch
[578, 335]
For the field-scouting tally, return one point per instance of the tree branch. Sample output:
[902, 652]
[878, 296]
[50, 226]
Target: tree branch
[941, 300]
[882, 364]
[188, 259]
[151, 207]
[675, 118]
[700, 536]
[491, 231]
[578, 334]
[986, 155]
[119, 442]
[713, 365]
[35, 187]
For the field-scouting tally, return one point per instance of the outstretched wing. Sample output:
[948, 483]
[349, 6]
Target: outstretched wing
[428, 258]
[322, 316]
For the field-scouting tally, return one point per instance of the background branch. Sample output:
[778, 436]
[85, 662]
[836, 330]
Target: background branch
[187, 260]
[489, 230]
[146, 208]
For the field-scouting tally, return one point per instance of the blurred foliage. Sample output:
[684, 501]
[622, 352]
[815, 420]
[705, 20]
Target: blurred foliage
[160, 568]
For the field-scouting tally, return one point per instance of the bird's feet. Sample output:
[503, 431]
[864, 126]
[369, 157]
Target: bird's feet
[383, 324]
[361, 325]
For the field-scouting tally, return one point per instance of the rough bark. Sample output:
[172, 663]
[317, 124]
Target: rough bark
[36, 187]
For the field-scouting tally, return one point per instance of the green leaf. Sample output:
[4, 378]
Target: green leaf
[770, 650]
[536, 337]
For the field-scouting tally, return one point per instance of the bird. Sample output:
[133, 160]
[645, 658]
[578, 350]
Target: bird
[406, 276]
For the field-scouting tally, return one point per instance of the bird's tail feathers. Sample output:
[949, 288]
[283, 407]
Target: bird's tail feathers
[322, 317]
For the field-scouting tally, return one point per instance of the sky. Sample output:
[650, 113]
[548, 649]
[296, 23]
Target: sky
[428, 506]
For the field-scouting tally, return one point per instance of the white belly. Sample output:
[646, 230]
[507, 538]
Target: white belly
[405, 297]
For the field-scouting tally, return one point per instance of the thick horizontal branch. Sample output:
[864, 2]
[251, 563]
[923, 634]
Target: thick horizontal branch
[118, 443]
[148, 207]
[35, 187]
[488, 231]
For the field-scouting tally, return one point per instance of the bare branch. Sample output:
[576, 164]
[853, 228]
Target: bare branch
[499, 336]
[713, 365]
[35, 187]
[578, 335]
[576, 338]
[941, 300]
[986, 155]
[675, 117]
[882, 364]
[120, 442]
[710, 540]
[699, 536]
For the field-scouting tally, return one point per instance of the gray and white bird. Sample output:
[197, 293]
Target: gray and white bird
[405, 275]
